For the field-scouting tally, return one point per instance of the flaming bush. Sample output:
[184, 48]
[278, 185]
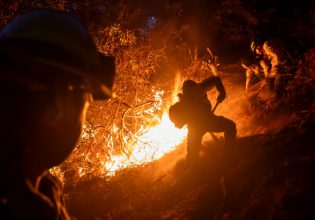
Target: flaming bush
[133, 128]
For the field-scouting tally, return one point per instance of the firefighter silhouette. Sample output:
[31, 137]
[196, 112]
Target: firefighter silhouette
[274, 61]
[195, 110]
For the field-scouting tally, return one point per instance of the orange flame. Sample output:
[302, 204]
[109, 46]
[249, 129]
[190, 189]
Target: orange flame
[155, 136]
[152, 145]
[153, 141]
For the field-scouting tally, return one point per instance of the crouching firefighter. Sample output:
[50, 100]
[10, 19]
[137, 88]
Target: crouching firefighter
[195, 110]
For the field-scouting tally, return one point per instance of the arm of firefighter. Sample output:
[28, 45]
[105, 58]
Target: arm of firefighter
[248, 79]
[250, 72]
[266, 68]
[212, 81]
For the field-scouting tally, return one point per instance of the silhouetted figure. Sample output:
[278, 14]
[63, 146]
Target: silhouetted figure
[253, 72]
[195, 110]
[274, 60]
[50, 71]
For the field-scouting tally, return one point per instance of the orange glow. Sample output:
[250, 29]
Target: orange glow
[151, 145]
[150, 142]
[144, 134]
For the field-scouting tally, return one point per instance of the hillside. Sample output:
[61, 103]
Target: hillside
[262, 177]
[267, 175]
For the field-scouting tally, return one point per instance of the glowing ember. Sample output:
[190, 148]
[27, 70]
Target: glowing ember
[151, 145]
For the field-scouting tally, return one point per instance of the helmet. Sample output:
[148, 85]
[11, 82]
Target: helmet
[61, 48]
[256, 42]
[177, 114]
[189, 86]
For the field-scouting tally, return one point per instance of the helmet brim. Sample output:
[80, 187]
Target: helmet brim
[45, 45]
[44, 69]
[104, 77]
[99, 80]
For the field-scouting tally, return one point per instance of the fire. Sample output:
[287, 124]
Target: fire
[152, 145]
[151, 142]
[143, 135]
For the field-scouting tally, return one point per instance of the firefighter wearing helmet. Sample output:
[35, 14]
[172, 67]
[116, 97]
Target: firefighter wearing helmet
[195, 110]
[274, 60]
[50, 72]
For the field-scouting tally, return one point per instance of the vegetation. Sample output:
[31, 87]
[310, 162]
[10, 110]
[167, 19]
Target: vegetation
[269, 176]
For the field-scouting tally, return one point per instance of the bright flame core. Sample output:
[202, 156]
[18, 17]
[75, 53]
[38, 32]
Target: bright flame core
[150, 142]
[144, 135]
[151, 146]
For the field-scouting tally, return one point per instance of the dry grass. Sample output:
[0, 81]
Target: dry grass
[146, 68]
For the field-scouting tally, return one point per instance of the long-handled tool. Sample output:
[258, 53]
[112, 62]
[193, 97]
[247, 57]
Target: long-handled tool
[214, 108]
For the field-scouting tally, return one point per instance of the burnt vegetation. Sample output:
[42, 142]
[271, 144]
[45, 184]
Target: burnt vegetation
[268, 174]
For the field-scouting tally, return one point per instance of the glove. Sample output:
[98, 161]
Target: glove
[221, 97]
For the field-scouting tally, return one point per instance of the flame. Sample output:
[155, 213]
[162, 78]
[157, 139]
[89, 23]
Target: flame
[145, 134]
[152, 145]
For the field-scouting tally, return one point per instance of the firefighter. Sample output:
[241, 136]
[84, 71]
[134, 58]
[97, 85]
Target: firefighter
[195, 110]
[50, 72]
[252, 72]
[274, 59]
